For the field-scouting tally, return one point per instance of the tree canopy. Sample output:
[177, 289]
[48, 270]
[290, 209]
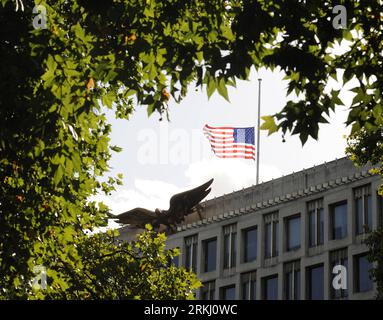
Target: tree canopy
[56, 82]
[115, 269]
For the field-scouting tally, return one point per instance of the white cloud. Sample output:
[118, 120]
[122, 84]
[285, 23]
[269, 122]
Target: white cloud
[148, 194]
[229, 174]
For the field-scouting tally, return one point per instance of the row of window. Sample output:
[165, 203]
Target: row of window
[315, 281]
[338, 230]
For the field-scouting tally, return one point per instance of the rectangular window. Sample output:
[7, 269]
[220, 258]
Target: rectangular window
[210, 254]
[363, 209]
[339, 258]
[292, 272]
[316, 222]
[248, 283]
[316, 282]
[250, 239]
[191, 252]
[271, 235]
[230, 246]
[363, 280]
[339, 220]
[208, 290]
[228, 293]
[270, 288]
[293, 233]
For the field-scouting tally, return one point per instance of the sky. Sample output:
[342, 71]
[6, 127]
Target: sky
[161, 158]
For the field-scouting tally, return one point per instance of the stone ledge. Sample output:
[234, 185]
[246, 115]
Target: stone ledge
[276, 200]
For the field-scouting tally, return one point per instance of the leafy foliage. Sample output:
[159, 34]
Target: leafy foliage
[375, 244]
[114, 269]
[366, 147]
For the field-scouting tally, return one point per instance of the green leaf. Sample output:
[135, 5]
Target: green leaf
[269, 124]
[222, 90]
[58, 175]
[211, 86]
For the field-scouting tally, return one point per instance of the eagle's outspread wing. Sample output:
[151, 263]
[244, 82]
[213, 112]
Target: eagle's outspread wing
[184, 203]
[137, 217]
[181, 205]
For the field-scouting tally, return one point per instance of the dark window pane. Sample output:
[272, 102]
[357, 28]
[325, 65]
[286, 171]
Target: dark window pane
[194, 257]
[230, 243]
[364, 281]
[297, 285]
[226, 252]
[208, 290]
[276, 237]
[268, 241]
[369, 212]
[321, 226]
[316, 283]
[249, 290]
[187, 257]
[211, 294]
[339, 221]
[312, 228]
[271, 288]
[191, 253]
[293, 233]
[359, 215]
[293, 285]
[250, 245]
[210, 255]
[233, 249]
[228, 293]
[245, 291]
[253, 290]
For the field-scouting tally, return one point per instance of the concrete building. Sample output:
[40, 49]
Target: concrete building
[281, 239]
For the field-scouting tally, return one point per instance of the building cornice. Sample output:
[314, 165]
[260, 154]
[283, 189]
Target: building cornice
[277, 200]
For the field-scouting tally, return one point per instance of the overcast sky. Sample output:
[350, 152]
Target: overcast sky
[162, 158]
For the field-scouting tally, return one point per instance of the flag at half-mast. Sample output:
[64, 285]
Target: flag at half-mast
[230, 142]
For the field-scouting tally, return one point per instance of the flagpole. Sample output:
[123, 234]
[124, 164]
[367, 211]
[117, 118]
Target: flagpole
[258, 125]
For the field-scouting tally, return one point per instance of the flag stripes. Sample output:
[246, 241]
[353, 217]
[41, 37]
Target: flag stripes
[231, 142]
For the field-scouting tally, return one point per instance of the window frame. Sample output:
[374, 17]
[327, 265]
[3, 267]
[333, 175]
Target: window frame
[246, 243]
[363, 194]
[250, 279]
[309, 287]
[315, 208]
[332, 219]
[337, 257]
[206, 255]
[191, 251]
[292, 267]
[230, 252]
[357, 281]
[264, 285]
[288, 232]
[209, 290]
[271, 219]
[223, 291]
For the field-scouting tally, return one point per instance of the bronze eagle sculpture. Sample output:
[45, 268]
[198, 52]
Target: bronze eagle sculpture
[181, 205]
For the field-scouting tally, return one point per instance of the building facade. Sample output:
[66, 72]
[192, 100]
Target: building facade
[296, 237]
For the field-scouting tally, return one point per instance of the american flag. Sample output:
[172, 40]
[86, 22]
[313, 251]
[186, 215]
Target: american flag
[230, 142]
